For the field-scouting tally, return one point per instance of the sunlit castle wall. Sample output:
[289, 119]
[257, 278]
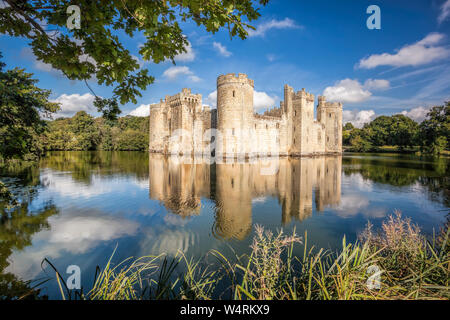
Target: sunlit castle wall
[235, 114]
[330, 115]
[158, 127]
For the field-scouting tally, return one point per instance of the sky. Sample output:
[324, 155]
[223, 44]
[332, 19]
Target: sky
[323, 46]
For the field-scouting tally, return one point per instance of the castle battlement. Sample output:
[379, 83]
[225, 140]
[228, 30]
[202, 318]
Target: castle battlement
[286, 130]
[233, 78]
[303, 95]
[322, 102]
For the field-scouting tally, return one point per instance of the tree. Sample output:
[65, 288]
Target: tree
[348, 126]
[404, 131]
[94, 50]
[396, 130]
[435, 130]
[86, 133]
[21, 104]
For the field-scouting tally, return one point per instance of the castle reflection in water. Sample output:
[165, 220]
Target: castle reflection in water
[234, 187]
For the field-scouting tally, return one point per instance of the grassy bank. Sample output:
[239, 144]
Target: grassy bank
[395, 263]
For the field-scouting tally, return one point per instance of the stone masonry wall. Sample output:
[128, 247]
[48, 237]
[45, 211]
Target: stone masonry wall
[181, 125]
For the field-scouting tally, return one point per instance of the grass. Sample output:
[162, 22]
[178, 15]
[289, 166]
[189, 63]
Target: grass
[397, 262]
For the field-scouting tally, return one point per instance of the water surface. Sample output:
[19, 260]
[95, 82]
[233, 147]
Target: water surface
[76, 207]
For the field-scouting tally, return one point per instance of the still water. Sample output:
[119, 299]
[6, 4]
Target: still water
[77, 207]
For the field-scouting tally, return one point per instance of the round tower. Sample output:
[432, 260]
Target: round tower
[158, 130]
[235, 113]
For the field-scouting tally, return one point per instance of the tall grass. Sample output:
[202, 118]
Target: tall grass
[397, 262]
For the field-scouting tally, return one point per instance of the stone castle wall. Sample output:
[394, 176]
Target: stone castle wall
[181, 125]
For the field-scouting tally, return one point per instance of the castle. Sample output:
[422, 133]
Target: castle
[181, 125]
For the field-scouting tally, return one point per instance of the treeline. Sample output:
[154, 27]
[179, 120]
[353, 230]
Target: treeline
[431, 136]
[84, 132]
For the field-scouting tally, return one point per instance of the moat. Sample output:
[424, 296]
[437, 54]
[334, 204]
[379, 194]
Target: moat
[76, 207]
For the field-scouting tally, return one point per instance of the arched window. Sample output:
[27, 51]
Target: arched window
[233, 94]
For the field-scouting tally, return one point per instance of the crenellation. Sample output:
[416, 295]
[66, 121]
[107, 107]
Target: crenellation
[286, 130]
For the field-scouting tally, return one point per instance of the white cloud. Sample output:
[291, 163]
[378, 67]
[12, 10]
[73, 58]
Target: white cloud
[347, 90]
[419, 53]
[142, 111]
[221, 49]
[417, 114]
[352, 91]
[351, 205]
[212, 99]
[187, 56]
[261, 100]
[358, 118]
[261, 29]
[445, 11]
[377, 84]
[173, 72]
[72, 103]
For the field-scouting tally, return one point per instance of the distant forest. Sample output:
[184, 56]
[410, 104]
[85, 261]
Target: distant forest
[84, 132]
[431, 136]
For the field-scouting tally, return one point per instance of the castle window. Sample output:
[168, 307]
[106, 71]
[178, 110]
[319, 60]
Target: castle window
[278, 126]
[267, 126]
[328, 139]
[255, 126]
[295, 112]
[294, 141]
[233, 94]
[329, 115]
[233, 131]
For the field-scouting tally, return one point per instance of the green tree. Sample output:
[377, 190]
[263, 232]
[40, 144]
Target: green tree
[21, 103]
[86, 134]
[348, 126]
[404, 131]
[95, 51]
[396, 130]
[434, 131]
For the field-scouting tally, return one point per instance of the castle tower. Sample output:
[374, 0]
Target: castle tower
[158, 128]
[303, 118]
[330, 115]
[234, 113]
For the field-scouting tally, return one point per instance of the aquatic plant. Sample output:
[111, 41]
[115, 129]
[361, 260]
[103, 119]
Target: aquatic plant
[397, 262]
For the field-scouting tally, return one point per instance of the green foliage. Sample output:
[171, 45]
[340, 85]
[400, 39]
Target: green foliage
[435, 130]
[21, 104]
[432, 135]
[82, 132]
[359, 140]
[393, 130]
[348, 126]
[95, 50]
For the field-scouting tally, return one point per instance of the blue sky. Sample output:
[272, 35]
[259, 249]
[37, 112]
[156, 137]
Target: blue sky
[323, 46]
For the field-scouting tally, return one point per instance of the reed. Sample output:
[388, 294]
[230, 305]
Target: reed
[397, 262]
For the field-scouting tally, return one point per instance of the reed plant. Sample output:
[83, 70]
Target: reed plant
[397, 262]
